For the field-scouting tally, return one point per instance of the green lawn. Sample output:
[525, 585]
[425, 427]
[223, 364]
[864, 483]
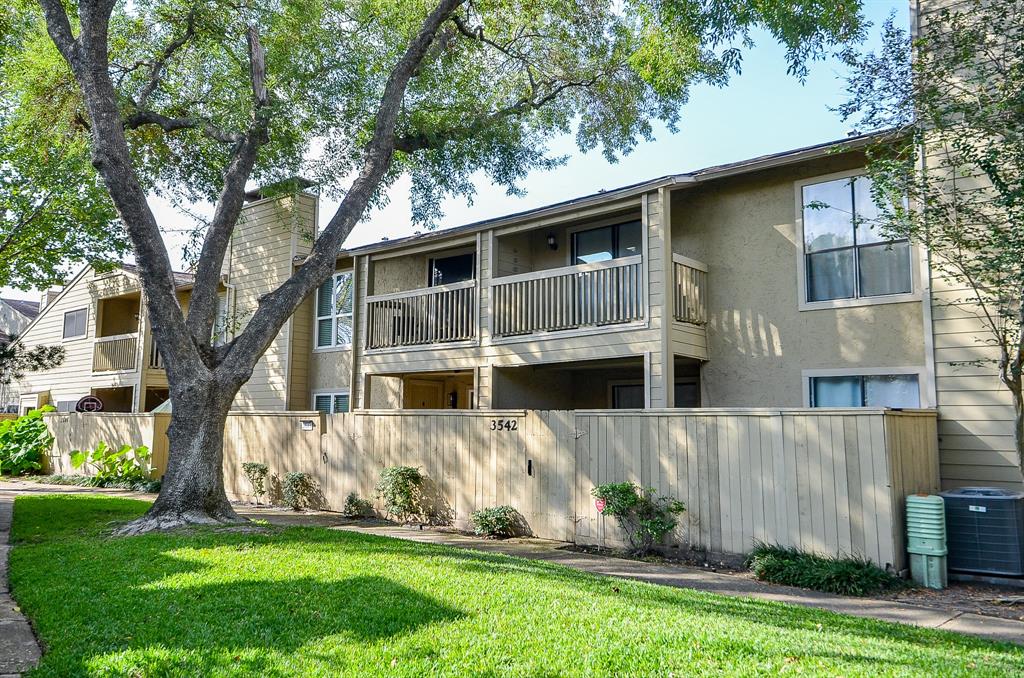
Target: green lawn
[312, 601]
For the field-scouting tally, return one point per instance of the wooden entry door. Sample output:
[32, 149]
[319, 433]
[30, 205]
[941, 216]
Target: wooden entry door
[423, 394]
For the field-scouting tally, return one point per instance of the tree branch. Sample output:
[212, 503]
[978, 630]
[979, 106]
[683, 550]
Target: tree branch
[173, 124]
[157, 67]
[275, 308]
[203, 304]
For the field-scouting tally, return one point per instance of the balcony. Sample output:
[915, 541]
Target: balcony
[434, 315]
[587, 295]
[690, 278]
[118, 353]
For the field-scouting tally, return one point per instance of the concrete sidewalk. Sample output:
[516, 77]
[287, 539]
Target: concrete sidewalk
[994, 628]
[19, 650]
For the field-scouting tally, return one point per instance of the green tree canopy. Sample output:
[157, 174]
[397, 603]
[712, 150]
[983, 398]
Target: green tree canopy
[196, 99]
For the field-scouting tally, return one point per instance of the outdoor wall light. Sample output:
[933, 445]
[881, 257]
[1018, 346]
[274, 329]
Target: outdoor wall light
[552, 243]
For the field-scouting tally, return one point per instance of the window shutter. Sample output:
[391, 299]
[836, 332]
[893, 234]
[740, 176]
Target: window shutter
[340, 403]
[323, 299]
[322, 403]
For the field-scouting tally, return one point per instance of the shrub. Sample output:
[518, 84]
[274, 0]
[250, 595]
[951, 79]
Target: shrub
[257, 475]
[139, 485]
[355, 507]
[496, 521]
[644, 516]
[23, 441]
[298, 489]
[844, 576]
[401, 489]
[125, 464]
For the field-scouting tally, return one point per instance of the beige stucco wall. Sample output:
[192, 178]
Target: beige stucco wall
[745, 230]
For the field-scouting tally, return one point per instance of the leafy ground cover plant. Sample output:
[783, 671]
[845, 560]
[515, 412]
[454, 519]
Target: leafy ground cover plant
[844, 576]
[356, 507]
[23, 441]
[298, 489]
[495, 521]
[257, 475]
[135, 485]
[642, 514]
[400, 488]
[123, 464]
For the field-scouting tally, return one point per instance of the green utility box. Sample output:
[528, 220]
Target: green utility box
[926, 540]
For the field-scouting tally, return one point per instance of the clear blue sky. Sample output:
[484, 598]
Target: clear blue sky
[762, 111]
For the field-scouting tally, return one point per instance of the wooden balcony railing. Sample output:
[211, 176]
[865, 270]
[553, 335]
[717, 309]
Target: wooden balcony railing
[691, 284]
[601, 293]
[115, 354]
[155, 361]
[435, 315]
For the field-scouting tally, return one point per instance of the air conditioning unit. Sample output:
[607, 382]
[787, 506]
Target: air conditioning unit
[985, 530]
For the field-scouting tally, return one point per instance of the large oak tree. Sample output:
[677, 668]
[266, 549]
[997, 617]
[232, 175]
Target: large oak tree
[197, 99]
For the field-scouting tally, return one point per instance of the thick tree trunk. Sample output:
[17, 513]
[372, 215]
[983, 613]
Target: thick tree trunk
[192, 491]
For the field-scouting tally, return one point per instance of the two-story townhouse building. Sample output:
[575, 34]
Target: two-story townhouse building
[752, 284]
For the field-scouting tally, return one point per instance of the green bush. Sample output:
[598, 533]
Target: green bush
[125, 464]
[844, 576]
[138, 485]
[644, 516]
[298, 489]
[23, 441]
[257, 475]
[356, 507]
[400, 488]
[496, 521]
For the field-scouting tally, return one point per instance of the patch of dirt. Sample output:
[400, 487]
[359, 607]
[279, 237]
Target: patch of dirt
[686, 558]
[987, 599]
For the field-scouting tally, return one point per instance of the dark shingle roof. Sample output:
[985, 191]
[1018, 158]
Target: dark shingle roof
[29, 309]
[181, 279]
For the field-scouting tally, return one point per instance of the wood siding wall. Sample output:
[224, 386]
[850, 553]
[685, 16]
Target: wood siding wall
[831, 481]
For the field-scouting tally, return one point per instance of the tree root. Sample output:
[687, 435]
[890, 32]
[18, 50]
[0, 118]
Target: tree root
[163, 520]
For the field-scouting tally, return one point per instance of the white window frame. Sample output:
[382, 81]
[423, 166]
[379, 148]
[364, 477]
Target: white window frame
[801, 259]
[924, 395]
[332, 393]
[334, 318]
[77, 337]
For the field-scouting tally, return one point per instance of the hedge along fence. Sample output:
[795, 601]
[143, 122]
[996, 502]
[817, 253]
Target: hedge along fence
[829, 481]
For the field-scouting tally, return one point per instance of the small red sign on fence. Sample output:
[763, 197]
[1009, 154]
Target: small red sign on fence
[600, 504]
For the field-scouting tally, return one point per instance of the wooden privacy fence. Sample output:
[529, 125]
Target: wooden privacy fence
[830, 481]
[79, 431]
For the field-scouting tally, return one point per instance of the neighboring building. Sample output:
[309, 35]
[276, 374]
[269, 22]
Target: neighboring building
[15, 316]
[725, 287]
[100, 320]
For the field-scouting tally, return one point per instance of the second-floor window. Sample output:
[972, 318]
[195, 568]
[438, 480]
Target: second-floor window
[607, 242]
[846, 256]
[334, 311]
[74, 323]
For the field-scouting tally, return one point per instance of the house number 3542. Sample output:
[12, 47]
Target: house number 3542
[504, 425]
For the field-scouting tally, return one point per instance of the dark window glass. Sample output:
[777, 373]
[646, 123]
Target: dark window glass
[628, 396]
[448, 270]
[885, 269]
[687, 394]
[607, 242]
[830, 275]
